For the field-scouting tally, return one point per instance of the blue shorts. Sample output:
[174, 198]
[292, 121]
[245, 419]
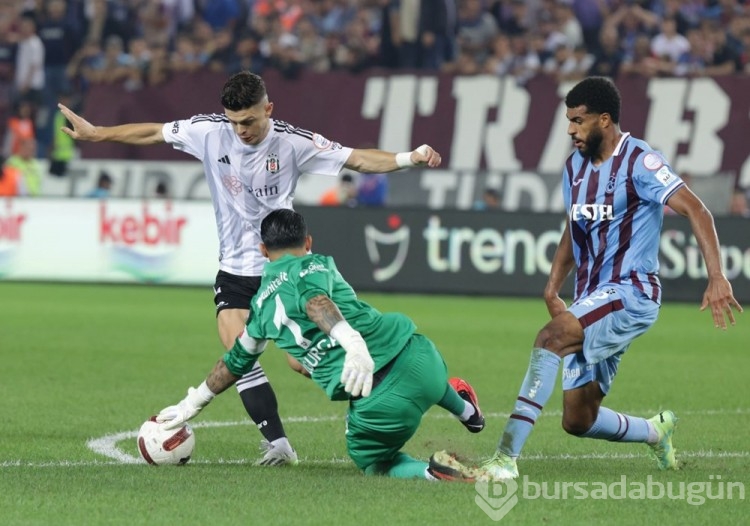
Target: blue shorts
[612, 316]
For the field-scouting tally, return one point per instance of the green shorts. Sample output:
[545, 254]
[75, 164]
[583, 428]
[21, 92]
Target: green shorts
[378, 426]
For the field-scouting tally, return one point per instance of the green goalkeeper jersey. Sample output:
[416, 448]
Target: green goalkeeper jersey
[279, 314]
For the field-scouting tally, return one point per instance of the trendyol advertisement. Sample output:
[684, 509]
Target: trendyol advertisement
[393, 249]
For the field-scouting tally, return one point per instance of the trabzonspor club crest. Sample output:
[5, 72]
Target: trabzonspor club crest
[272, 163]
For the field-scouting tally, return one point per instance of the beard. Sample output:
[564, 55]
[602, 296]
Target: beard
[593, 143]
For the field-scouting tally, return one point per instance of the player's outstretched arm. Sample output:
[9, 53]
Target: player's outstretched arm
[138, 133]
[718, 295]
[379, 161]
[356, 374]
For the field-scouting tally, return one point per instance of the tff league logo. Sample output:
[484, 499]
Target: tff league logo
[398, 237]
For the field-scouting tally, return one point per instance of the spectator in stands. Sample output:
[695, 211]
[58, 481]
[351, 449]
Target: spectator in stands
[185, 58]
[630, 21]
[247, 55]
[738, 205]
[82, 67]
[641, 62]
[29, 168]
[60, 43]
[222, 52]
[568, 24]
[219, 14]
[20, 126]
[11, 182]
[162, 190]
[609, 56]
[312, 47]
[669, 44]
[476, 29]
[500, 60]
[29, 78]
[512, 16]
[591, 15]
[693, 62]
[63, 147]
[490, 200]
[103, 186]
[438, 40]
[724, 60]
[372, 189]
[526, 62]
[343, 194]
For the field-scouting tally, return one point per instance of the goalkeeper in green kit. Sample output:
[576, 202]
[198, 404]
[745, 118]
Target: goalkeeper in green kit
[389, 374]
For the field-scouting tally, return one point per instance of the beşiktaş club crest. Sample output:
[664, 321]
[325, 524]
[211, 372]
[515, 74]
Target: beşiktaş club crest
[272, 163]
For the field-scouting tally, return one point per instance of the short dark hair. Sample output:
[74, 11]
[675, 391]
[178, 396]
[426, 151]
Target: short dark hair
[283, 228]
[242, 90]
[598, 94]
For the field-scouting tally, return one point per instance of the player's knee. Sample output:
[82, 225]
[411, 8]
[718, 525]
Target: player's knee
[576, 425]
[550, 338]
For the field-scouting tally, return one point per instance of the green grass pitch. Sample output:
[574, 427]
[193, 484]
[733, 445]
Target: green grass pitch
[84, 365]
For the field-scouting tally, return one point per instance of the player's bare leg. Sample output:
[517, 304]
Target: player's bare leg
[257, 395]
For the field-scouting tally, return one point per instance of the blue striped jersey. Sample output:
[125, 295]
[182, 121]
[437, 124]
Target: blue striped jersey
[615, 213]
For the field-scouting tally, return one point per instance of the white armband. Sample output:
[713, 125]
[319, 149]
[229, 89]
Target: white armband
[250, 344]
[201, 396]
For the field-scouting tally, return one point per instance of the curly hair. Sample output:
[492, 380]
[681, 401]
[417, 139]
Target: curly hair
[242, 90]
[598, 94]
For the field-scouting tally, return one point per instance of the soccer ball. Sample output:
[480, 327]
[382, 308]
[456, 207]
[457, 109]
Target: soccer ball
[161, 447]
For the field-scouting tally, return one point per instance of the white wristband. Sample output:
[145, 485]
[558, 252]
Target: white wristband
[403, 160]
[349, 338]
[201, 396]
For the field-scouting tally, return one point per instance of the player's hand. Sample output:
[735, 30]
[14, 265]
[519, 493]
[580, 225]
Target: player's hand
[720, 298]
[425, 155]
[82, 129]
[357, 372]
[176, 415]
[555, 306]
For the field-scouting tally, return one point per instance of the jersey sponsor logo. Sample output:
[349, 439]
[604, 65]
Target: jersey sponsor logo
[653, 161]
[232, 184]
[578, 181]
[665, 176]
[321, 142]
[224, 159]
[272, 286]
[375, 241]
[266, 191]
[272, 163]
[311, 269]
[593, 212]
[176, 127]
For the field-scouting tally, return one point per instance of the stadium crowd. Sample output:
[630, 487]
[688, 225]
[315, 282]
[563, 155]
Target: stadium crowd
[56, 49]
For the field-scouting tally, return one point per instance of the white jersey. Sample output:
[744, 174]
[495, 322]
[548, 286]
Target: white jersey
[247, 182]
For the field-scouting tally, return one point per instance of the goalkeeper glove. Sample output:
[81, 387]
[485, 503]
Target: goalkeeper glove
[176, 415]
[358, 365]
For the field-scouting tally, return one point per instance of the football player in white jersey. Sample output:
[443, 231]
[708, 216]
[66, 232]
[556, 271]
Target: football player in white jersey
[252, 164]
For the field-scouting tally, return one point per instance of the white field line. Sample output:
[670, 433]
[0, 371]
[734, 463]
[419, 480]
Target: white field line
[107, 445]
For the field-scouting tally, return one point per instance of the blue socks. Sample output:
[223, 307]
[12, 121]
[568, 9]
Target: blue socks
[536, 389]
[617, 427]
